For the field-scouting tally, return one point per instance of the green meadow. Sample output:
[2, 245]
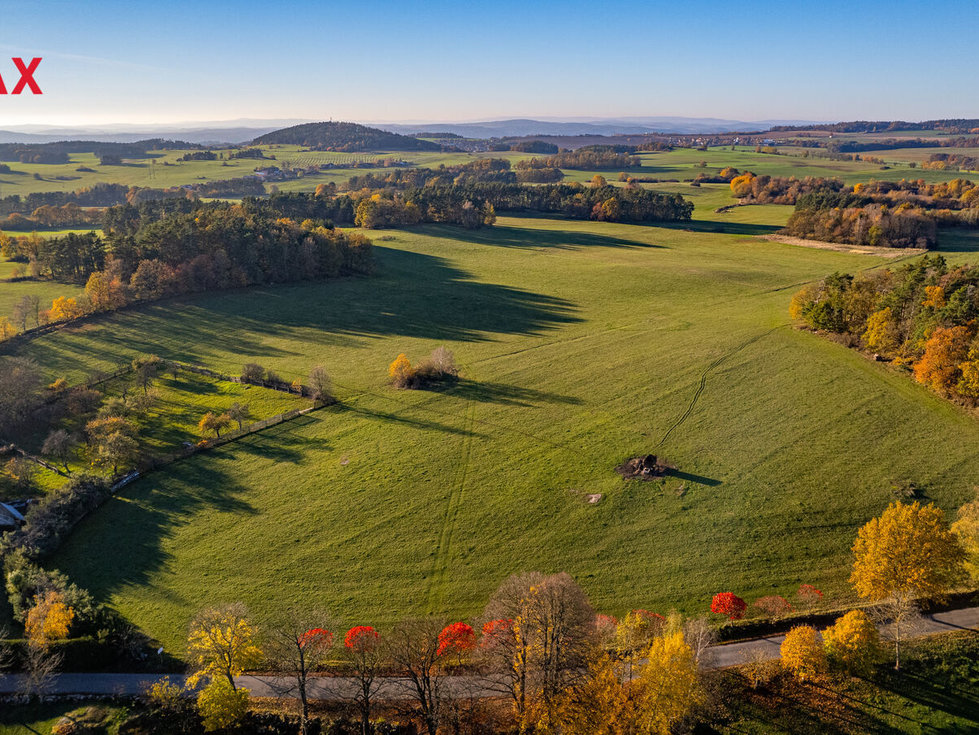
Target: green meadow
[47, 291]
[161, 169]
[580, 345]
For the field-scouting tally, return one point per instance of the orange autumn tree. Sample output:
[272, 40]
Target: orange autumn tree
[49, 620]
[940, 367]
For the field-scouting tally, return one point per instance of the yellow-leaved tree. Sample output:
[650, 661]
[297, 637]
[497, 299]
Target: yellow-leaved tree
[602, 705]
[7, 328]
[966, 528]
[49, 620]
[882, 333]
[400, 371]
[668, 685]
[65, 308]
[907, 553]
[853, 642]
[222, 644]
[803, 654]
[221, 706]
[934, 297]
[909, 550]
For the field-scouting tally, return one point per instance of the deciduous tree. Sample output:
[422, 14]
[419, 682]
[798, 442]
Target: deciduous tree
[401, 372]
[728, 604]
[222, 644]
[417, 649]
[297, 644]
[541, 631]
[362, 644]
[803, 654]
[221, 706]
[908, 552]
[853, 642]
[966, 528]
[940, 367]
[669, 686]
[320, 384]
[239, 413]
[212, 422]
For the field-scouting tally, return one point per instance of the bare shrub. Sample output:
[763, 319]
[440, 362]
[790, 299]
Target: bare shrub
[252, 372]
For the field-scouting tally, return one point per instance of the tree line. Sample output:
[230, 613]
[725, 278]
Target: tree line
[210, 247]
[921, 316]
[596, 158]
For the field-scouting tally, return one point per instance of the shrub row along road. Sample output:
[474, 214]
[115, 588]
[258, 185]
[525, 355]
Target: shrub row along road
[390, 688]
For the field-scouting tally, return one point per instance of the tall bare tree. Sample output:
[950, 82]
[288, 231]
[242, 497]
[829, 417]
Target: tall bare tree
[545, 630]
[413, 650]
[298, 643]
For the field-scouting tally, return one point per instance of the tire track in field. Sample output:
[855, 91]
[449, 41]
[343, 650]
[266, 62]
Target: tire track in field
[443, 554]
[703, 379]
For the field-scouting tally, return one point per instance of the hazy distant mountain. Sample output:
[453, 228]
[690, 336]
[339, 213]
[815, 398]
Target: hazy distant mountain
[246, 129]
[590, 126]
[227, 131]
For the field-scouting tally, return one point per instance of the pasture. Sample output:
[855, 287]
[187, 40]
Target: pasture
[175, 405]
[161, 169]
[47, 291]
[580, 344]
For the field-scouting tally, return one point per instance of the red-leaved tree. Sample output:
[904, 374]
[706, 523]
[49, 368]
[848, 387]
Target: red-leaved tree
[773, 607]
[456, 638]
[808, 596]
[728, 604]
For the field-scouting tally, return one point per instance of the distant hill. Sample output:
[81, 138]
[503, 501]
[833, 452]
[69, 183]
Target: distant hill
[589, 126]
[344, 137]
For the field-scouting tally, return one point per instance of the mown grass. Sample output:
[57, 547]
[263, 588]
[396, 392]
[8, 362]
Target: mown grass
[580, 344]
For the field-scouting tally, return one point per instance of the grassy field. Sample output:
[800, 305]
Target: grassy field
[581, 344]
[47, 291]
[161, 168]
[935, 692]
[39, 719]
[176, 407]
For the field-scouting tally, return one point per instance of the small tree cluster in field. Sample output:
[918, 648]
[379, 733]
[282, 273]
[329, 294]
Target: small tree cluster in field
[440, 367]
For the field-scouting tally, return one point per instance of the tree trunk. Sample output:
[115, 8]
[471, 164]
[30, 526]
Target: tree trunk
[304, 705]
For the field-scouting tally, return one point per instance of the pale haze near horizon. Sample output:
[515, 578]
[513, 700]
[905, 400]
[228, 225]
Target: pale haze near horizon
[115, 62]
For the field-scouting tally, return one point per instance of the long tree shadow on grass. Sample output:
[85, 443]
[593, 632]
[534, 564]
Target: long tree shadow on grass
[503, 393]
[534, 238]
[121, 544]
[726, 228]
[415, 423]
[938, 694]
[412, 295]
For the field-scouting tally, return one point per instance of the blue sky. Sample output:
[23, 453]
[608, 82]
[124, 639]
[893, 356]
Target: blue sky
[132, 62]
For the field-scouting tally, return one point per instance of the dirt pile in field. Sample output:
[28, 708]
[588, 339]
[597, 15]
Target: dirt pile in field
[649, 467]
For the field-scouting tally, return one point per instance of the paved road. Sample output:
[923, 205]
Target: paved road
[333, 688]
